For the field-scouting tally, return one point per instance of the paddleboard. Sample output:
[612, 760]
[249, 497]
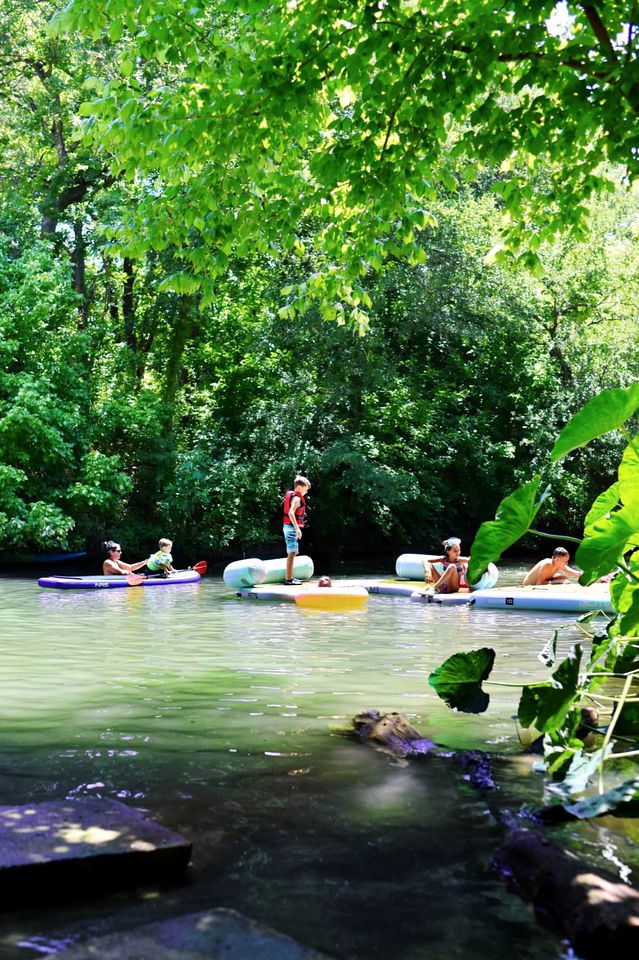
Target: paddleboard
[115, 582]
[309, 595]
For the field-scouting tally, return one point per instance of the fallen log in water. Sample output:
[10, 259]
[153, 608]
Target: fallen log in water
[591, 907]
[392, 733]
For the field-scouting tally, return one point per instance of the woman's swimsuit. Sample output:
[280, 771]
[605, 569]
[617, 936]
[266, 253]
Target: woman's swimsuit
[461, 572]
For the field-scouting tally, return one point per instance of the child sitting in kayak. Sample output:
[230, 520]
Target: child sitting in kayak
[160, 563]
[453, 565]
[113, 564]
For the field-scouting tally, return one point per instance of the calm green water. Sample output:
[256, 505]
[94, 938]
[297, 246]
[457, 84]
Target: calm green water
[218, 716]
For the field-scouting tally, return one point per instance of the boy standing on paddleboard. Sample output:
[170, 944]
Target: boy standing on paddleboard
[294, 520]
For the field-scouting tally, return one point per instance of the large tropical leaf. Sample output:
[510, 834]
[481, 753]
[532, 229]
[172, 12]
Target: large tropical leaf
[574, 777]
[513, 518]
[549, 654]
[605, 412]
[458, 680]
[603, 505]
[621, 801]
[627, 724]
[625, 597]
[629, 474]
[607, 540]
[546, 705]
[622, 655]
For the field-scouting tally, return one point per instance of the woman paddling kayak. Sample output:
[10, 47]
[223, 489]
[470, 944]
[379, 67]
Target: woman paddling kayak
[113, 564]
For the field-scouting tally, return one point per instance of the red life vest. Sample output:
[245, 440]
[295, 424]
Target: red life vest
[300, 513]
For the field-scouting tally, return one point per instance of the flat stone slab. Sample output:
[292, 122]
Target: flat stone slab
[89, 844]
[212, 935]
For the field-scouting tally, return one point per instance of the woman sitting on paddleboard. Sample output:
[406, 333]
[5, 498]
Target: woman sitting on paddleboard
[113, 564]
[454, 568]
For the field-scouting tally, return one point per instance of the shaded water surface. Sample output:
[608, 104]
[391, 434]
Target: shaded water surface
[219, 716]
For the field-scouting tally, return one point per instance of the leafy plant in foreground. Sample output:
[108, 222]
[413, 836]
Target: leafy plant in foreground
[610, 542]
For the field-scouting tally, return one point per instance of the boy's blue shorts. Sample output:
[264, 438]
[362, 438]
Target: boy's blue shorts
[292, 543]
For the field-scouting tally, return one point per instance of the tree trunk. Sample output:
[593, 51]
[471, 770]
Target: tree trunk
[110, 292]
[598, 913]
[181, 335]
[128, 304]
[79, 270]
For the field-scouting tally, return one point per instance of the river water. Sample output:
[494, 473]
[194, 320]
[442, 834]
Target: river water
[220, 717]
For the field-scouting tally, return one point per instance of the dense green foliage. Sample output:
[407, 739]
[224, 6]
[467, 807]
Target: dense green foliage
[155, 238]
[258, 117]
[610, 542]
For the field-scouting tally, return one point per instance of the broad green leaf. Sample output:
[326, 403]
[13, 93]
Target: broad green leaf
[458, 680]
[605, 412]
[603, 505]
[603, 646]
[575, 776]
[625, 597]
[606, 542]
[629, 474]
[514, 516]
[549, 654]
[545, 706]
[621, 801]
[627, 724]
[622, 655]
[587, 617]
[557, 758]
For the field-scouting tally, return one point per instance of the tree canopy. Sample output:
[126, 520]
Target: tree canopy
[178, 183]
[247, 120]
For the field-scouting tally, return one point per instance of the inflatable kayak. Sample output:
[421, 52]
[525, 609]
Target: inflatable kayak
[248, 573]
[106, 583]
[310, 596]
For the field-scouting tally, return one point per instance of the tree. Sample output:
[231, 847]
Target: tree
[353, 115]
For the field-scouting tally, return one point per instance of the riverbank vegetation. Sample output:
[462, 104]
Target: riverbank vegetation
[183, 289]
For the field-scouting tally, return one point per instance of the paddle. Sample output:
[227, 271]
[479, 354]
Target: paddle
[134, 579]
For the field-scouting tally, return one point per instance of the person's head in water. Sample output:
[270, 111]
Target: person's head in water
[452, 547]
[324, 582]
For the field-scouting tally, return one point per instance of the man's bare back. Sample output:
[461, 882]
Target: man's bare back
[550, 570]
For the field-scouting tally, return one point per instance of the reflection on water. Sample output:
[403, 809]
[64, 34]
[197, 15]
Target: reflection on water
[219, 717]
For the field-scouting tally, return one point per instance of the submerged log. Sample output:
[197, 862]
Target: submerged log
[598, 913]
[392, 733]
[591, 907]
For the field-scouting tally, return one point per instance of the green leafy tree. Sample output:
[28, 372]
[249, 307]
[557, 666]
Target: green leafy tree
[353, 116]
